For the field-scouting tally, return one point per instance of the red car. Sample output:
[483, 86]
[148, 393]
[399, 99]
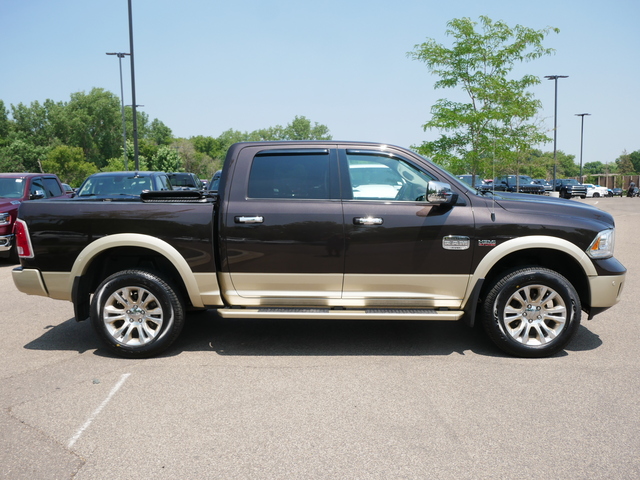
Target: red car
[16, 188]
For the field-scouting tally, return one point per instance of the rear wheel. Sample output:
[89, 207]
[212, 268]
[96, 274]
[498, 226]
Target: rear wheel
[532, 312]
[137, 313]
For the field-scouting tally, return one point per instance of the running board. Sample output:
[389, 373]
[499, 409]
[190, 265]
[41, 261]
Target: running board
[341, 314]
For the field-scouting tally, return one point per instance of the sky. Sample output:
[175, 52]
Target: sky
[204, 66]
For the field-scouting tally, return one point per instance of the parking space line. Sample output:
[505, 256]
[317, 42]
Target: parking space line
[97, 411]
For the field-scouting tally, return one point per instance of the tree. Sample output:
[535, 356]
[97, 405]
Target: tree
[497, 121]
[635, 159]
[160, 133]
[69, 164]
[166, 160]
[625, 165]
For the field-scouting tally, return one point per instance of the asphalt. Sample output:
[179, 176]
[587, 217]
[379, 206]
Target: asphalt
[239, 399]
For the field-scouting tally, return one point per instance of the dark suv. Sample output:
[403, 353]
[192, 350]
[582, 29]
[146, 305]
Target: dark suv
[185, 181]
[123, 184]
[570, 187]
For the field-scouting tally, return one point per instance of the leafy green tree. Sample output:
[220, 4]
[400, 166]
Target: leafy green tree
[625, 165]
[69, 164]
[95, 124]
[300, 129]
[635, 159]
[593, 168]
[22, 156]
[166, 160]
[160, 133]
[5, 124]
[497, 121]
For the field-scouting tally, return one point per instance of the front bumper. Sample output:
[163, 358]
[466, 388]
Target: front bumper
[6, 242]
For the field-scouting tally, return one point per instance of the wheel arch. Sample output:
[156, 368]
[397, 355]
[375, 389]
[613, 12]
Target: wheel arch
[104, 256]
[552, 253]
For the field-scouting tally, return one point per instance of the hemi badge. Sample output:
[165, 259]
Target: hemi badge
[455, 242]
[486, 243]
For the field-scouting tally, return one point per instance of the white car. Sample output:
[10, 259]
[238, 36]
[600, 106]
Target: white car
[596, 190]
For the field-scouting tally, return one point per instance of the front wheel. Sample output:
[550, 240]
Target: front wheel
[532, 312]
[137, 314]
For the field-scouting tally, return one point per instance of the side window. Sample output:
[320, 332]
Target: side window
[382, 177]
[37, 187]
[290, 175]
[52, 187]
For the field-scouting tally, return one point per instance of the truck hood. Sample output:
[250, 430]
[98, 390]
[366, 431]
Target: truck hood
[7, 204]
[526, 203]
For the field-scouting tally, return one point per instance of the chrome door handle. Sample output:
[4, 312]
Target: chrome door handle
[246, 219]
[367, 221]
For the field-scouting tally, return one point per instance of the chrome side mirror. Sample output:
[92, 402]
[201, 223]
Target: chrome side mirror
[440, 192]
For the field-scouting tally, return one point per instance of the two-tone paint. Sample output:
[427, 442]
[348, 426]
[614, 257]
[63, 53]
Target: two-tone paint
[337, 257]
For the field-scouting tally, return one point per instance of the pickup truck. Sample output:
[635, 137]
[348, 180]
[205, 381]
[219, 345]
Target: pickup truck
[570, 187]
[16, 188]
[515, 183]
[324, 230]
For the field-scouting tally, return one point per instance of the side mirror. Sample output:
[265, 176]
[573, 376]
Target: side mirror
[440, 192]
[37, 195]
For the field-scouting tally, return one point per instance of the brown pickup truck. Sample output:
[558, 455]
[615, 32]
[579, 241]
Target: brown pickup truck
[324, 230]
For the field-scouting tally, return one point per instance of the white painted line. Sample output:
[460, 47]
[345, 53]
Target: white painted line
[97, 411]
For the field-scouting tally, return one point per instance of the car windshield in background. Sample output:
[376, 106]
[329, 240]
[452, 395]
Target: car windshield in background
[11, 187]
[100, 185]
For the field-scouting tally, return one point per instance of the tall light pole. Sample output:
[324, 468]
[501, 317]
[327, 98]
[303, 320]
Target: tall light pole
[555, 123]
[124, 131]
[581, 139]
[133, 93]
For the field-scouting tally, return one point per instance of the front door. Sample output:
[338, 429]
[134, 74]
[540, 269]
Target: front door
[400, 250]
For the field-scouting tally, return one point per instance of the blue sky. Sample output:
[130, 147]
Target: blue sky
[205, 66]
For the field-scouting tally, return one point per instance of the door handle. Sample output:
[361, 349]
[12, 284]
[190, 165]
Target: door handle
[247, 219]
[368, 221]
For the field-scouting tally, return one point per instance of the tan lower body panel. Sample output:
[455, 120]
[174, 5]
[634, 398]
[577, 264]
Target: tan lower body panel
[401, 291]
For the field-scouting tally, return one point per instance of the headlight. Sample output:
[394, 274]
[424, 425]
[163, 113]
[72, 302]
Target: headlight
[602, 245]
[5, 218]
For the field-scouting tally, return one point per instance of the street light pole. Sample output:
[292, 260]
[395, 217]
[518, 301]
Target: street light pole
[124, 131]
[555, 123]
[133, 93]
[581, 138]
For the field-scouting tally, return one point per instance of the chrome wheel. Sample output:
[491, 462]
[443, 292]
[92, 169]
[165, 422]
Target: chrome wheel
[132, 316]
[531, 312]
[535, 315]
[137, 313]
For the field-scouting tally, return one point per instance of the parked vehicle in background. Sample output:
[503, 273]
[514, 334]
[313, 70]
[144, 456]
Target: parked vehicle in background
[123, 184]
[479, 182]
[545, 183]
[185, 181]
[67, 189]
[516, 183]
[570, 187]
[15, 188]
[633, 192]
[596, 191]
[617, 192]
[215, 181]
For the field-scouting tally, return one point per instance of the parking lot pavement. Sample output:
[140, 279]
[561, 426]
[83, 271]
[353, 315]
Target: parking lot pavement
[332, 400]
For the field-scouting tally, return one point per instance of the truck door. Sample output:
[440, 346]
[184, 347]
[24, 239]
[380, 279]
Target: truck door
[282, 236]
[400, 250]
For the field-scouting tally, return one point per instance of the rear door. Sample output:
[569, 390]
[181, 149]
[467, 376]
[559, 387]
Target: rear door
[282, 235]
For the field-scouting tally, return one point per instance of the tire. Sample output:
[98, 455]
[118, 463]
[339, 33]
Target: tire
[137, 314]
[595, 195]
[532, 312]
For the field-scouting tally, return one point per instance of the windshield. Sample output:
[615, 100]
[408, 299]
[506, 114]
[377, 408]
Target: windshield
[115, 185]
[12, 187]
